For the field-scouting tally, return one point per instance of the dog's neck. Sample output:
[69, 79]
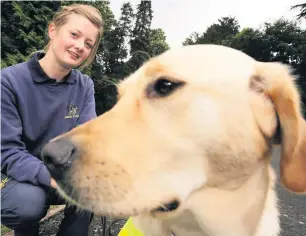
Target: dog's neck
[233, 213]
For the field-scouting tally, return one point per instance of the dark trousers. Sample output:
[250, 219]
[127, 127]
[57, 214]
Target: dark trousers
[23, 205]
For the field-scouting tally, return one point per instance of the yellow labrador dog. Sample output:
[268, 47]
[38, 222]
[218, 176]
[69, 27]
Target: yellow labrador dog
[186, 150]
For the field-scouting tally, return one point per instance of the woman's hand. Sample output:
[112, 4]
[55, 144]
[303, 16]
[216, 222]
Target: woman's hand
[53, 183]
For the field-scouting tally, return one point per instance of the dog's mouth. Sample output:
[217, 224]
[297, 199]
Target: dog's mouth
[74, 196]
[169, 207]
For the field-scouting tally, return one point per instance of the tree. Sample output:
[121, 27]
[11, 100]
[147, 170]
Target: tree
[126, 19]
[219, 33]
[288, 45]
[282, 41]
[302, 7]
[141, 32]
[252, 42]
[286, 41]
[157, 42]
[192, 39]
[23, 28]
[139, 42]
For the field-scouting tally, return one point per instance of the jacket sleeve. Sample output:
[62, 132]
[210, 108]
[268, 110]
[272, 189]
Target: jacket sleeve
[88, 110]
[16, 161]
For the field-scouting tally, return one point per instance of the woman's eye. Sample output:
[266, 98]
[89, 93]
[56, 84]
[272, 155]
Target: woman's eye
[89, 46]
[73, 34]
[164, 87]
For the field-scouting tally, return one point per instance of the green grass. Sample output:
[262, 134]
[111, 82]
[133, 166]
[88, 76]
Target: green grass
[4, 229]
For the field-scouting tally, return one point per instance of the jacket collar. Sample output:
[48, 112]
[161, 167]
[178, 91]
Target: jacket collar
[39, 75]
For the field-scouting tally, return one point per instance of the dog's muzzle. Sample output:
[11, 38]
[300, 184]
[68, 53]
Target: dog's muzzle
[58, 157]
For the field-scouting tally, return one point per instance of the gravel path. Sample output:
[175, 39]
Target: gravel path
[292, 206]
[50, 227]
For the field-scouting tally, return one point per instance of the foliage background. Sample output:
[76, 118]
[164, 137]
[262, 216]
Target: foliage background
[130, 41]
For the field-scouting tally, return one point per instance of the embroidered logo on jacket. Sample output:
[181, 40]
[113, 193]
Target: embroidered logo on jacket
[72, 111]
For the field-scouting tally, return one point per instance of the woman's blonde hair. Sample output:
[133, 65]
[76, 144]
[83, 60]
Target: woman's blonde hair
[91, 13]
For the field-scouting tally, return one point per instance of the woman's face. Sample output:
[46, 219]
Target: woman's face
[72, 43]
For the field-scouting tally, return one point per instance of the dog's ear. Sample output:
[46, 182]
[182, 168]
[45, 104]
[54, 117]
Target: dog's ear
[276, 83]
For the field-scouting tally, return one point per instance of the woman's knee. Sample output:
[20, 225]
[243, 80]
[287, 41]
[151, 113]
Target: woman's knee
[27, 202]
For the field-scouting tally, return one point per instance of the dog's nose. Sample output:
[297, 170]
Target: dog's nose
[58, 157]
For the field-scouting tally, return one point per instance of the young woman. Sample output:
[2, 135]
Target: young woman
[40, 99]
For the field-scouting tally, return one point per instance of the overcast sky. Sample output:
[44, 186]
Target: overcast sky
[179, 18]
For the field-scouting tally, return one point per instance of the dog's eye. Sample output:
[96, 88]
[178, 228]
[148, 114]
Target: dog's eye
[164, 87]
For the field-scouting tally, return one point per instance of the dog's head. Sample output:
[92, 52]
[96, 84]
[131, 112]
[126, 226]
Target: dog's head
[197, 117]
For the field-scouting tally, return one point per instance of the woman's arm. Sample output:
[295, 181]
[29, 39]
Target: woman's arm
[16, 161]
